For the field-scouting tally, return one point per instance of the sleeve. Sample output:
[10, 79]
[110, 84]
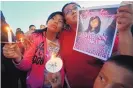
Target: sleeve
[115, 48]
[26, 62]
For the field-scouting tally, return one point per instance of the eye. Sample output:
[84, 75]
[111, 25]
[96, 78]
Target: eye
[68, 11]
[102, 78]
[61, 21]
[75, 8]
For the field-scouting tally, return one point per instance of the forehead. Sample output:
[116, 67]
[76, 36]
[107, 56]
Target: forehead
[70, 6]
[117, 74]
[32, 26]
[58, 16]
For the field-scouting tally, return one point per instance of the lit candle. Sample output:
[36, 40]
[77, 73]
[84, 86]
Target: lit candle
[54, 64]
[9, 35]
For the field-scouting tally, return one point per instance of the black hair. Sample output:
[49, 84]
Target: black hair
[132, 30]
[51, 16]
[19, 32]
[31, 26]
[123, 61]
[68, 4]
[97, 29]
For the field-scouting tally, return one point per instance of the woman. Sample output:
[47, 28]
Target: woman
[40, 51]
[82, 69]
[94, 24]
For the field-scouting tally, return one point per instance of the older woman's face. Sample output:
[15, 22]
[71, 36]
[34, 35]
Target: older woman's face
[70, 12]
[56, 23]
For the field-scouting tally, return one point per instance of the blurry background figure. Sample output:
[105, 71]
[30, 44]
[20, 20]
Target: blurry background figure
[4, 26]
[31, 30]
[19, 35]
[42, 26]
[18, 29]
[9, 73]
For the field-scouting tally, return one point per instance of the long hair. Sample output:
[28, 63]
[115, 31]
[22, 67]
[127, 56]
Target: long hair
[97, 29]
[40, 31]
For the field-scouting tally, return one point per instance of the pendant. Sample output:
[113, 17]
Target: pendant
[54, 65]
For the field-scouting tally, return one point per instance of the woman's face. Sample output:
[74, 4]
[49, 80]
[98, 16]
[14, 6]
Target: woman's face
[94, 23]
[70, 12]
[56, 23]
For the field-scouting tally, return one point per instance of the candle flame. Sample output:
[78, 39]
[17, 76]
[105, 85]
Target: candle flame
[7, 28]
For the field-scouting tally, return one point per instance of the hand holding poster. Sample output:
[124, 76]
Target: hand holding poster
[96, 31]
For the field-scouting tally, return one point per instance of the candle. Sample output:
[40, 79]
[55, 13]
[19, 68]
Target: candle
[54, 64]
[9, 35]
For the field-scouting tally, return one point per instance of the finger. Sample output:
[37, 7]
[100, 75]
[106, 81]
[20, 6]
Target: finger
[7, 49]
[122, 21]
[8, 55]
[124, 14]
[49, 76]
[13, 45]
[125, 8]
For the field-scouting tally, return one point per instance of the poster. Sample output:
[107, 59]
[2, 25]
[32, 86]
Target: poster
[96, 31]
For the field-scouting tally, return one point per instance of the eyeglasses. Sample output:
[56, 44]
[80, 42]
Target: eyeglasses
[69, 11]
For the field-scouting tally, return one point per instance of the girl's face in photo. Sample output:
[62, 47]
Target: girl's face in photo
[94, 23]
[56, 23]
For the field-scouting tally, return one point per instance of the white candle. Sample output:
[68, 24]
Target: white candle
[9, 36]
[54, 64]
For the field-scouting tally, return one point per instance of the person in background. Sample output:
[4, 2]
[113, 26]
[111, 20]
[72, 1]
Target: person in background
[32, 29]
[18, 29]
[42, 26]
[10, 75]
[81, 69]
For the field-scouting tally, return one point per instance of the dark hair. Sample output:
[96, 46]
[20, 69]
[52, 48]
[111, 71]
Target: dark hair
[19, 32]
[31, 26]
[123, 61]
[132, 30]
[51, 16]
[97, 29]
[68, 4]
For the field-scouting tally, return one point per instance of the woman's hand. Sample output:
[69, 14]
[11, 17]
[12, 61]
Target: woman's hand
[12, 51]
[124, 17]
[55, 79]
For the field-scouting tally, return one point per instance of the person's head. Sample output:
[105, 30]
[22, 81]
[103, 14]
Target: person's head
[70, 13]
[19, 34]
[42, 26]
[55, 22]
[117, 72]
[18, 29]
[32, 27]
[94, 24]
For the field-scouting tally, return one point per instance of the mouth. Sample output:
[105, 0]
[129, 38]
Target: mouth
[54, 26]
[75, 16]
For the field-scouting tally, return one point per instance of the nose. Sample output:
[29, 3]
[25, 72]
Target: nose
[74, 11]
[55, 21]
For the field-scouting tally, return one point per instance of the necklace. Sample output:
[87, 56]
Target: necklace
[53, 46]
